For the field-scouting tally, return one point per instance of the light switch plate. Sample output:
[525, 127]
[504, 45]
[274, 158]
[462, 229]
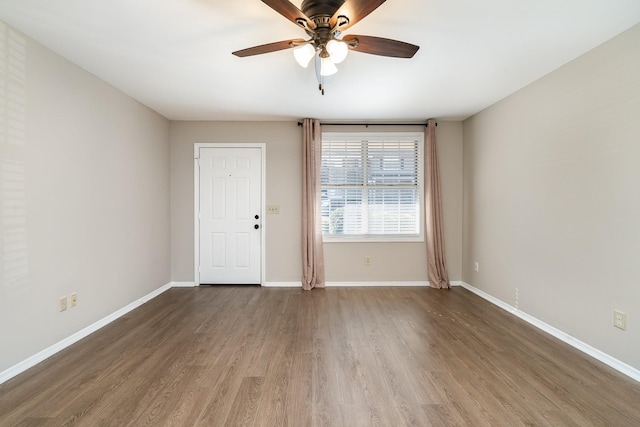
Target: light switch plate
[273, 209]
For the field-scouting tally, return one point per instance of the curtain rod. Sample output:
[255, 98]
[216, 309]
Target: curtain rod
[372, 124]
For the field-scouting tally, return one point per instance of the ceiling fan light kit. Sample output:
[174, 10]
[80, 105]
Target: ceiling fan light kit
[327, 67]
[338, 50]
[324, 21]
[304, 54]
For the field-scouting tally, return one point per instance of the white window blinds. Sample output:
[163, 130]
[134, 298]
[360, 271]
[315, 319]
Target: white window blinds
[371, 185]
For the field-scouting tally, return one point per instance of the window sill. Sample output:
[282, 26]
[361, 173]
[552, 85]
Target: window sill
[373, 239]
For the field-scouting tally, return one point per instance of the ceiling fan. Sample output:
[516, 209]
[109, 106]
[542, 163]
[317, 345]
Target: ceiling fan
[324, 21]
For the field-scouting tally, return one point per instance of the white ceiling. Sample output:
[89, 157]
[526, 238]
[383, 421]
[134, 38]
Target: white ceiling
[175, 55]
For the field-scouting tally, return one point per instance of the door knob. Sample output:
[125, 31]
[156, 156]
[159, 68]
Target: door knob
[256, 226]
[257, 216]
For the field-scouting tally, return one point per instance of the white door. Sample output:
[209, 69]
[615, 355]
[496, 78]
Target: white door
[230, 215]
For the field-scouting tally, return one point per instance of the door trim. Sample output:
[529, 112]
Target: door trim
[196, 201]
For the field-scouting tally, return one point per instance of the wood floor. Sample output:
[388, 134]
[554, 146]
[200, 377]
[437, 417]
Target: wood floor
[226, 356]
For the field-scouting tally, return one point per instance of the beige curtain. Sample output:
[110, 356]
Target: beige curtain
[312, 255]
[438, 276]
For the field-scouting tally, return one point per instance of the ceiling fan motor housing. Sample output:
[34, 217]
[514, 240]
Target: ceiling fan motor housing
[320, 11]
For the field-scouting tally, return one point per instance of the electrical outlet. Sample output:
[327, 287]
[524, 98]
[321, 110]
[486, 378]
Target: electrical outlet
[73, 299]
[367, 261]
[476, 266]
[273, 209]
[619, 319]
[63, 303]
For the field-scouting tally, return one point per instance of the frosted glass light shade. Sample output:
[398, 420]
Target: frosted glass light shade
[338, 50]
[303, 54]
[327, 67]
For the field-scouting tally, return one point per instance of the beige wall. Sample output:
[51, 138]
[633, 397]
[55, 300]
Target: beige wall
[344, 261]
[552, 198]
[84, 195]
[283, 172]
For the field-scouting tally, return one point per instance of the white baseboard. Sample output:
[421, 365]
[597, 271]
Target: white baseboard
[418, 283]
[348, 284]
[182, 284]
[282, 284]
[603, 357]
[61, 345]
[374, 284]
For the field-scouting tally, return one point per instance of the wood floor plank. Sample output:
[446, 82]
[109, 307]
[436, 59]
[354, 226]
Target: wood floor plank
[300, 392]
[245, 405]
[161, 406]
[273, 404]
[325, 399]
[442, 415]
[252, 356]
[368, 416]
[189, 408]
[229, 380]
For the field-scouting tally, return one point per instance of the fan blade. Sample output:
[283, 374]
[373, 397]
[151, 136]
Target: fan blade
[290, 11]
[266, 48]
[382, 47]
[354, 10]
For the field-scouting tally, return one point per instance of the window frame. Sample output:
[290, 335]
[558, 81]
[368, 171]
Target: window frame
[401, 136]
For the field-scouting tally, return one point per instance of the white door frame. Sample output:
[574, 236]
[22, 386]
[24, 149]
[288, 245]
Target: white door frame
[196, 200]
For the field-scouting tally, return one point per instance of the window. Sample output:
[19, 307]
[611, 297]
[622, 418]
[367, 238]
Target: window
[372, 186]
